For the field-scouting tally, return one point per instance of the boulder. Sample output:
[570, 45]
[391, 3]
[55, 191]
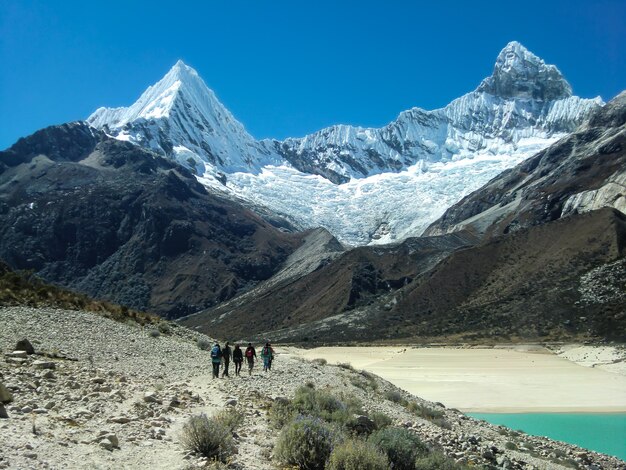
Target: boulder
[5, 395]
[3, 412]
[151, 397]
[106, 444]
[24, 345]
[44, 365]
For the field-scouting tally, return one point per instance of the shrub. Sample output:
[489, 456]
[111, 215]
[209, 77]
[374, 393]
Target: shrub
[394, 396]
[281, 412]
[208, 437]
[381, 420]
[306, 443]
[510, 446]
[309, 401]
[320, 361]
[401, 446]
[432, 415]
[231, 419]
[164, 328]
[154, 333]
[345, 365]
[357, 455]
[203, 343]
[437, 461]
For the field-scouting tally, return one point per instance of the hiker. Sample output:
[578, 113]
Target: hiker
[250, 355]
[226, 354]
[267, 354]
[216, 359]
[237, 358]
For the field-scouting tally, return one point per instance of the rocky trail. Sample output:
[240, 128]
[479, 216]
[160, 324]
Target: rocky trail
[101, 394]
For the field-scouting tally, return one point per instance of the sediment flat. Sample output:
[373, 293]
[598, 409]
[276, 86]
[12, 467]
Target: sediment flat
[491, 380]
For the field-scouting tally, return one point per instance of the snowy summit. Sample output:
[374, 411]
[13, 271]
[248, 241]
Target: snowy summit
[365, 185]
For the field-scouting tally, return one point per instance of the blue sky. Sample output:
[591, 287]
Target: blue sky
[288, 68]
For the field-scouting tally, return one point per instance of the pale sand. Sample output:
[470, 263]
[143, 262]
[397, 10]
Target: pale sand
[500, 380]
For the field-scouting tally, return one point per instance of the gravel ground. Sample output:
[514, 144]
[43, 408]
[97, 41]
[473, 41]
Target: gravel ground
[107, 395]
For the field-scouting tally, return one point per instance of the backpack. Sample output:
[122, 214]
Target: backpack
[215, 352]
[266, 351]
[249, 352]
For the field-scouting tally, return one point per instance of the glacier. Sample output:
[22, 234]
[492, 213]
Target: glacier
[365, 185]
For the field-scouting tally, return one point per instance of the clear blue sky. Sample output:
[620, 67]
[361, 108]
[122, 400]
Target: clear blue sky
[288, 67]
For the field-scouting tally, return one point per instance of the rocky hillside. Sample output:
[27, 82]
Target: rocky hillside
[287, 306]
[554, 281]
[114, 221]
[95, 393]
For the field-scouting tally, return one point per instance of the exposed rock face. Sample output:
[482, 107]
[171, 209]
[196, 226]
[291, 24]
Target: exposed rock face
[110, 219]
[582, 172]
[519, 73]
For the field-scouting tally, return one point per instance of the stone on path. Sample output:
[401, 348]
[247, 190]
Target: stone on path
[5, 395]
[44, 365]
[24, 345]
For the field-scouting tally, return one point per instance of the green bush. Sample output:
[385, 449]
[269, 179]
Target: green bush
[320, 361]
[203, 343]
[231, 419]
[208, 437]
[394, 396]
[437, 461]
[432, 415]
[154, 333]
[309, 401]
[345, 365]
[357, 455]
[401, 446]
[281, 412]
[306, 443]
[381, 420]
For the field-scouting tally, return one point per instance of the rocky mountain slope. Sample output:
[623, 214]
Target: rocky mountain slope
[117, 222]
[103, 394]
[582, 172]
[351, 180]
[343, 284]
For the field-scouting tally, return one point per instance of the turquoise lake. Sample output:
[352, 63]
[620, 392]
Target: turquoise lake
[604, 433]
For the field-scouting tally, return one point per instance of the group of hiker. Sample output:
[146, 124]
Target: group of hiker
[224, 355]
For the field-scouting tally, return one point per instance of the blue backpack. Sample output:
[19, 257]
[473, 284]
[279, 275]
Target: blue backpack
[215, 352]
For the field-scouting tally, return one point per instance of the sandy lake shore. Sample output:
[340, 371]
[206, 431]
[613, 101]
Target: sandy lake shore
[521, 379]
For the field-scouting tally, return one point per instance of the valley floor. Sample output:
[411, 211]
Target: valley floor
[505, 379]
[106, 395]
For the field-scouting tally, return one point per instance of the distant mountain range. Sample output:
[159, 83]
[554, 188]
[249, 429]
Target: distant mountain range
[378, 185]
[506, 208]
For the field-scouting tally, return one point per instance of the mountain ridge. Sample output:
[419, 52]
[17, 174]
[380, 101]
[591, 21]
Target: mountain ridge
[366, 185]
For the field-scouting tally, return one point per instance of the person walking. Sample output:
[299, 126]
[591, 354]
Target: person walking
[267, 354]
[216, 359]
[237, 358]
[226, 355]
[250, 356]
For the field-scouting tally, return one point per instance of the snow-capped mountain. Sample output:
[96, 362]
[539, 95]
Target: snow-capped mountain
[182, 118]
[365, 185]
[523, 98]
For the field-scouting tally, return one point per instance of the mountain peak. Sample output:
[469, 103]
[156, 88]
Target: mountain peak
[518, 73]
